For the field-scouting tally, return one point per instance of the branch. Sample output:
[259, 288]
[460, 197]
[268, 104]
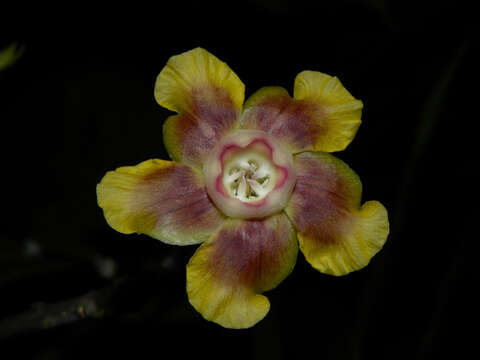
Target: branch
[42, 316]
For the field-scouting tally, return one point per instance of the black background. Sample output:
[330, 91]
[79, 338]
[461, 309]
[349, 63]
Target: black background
[79, 102]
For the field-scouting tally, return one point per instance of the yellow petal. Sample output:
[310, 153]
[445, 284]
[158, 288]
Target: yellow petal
[208, 97]
[244, 258]
[339, 112]
[195, 70]
[322, 115]
[335, 233]
[162, 199]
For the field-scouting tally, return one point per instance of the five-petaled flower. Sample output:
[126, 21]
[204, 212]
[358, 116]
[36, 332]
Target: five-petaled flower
[251, 182]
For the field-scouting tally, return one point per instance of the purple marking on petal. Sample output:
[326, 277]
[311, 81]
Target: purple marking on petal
[212, 115]
[175, 197]
[295, 123]
[253, 251]
[322, 199]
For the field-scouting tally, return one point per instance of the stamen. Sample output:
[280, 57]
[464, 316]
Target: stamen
[249, 179]
[256, 187]
[242, 188]
[253, 165]
[263, 180]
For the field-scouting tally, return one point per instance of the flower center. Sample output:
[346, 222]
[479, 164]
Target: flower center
[249, 175]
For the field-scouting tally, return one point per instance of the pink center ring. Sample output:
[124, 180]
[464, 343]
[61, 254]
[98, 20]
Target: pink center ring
[249, 175]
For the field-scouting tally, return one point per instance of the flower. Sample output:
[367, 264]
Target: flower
[252, 182]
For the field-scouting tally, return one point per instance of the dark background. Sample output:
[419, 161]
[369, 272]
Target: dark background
[79, 102]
